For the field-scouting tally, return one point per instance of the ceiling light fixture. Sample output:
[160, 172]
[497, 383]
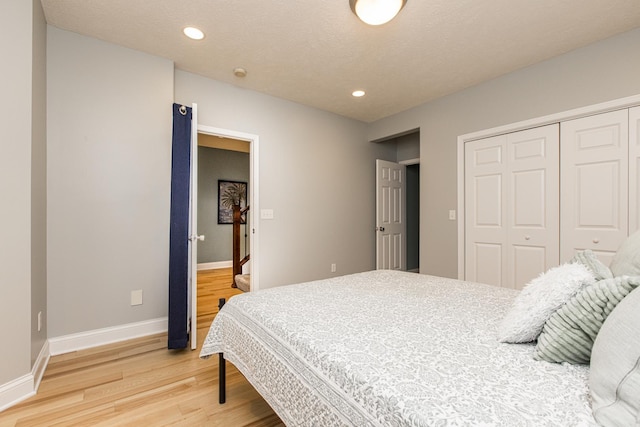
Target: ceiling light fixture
[193, 33]
[376, 12]
[357, 93]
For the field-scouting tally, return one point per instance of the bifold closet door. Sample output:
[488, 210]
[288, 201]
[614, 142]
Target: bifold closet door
[533, 223]
[511, 206]
[486, 211]
[595, 184]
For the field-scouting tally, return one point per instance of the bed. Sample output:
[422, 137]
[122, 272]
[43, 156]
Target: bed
[390, 348]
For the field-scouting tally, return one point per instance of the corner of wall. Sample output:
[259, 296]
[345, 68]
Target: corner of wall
[27, 385]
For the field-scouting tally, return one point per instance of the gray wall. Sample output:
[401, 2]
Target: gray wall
[109, 157]
[317, 172]
[408, 146]
[597, 73]
[38, 182]
[109, 139]
[16, 20]
[215, 164]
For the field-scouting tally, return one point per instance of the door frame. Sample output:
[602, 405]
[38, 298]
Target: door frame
[576, 113]
[192, 306]
[254, 142]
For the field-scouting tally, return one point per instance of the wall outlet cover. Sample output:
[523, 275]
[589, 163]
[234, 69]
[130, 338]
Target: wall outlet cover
[136, 297]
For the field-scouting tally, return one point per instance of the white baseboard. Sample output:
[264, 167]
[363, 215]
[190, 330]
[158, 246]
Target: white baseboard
[82, 340]
[215, 265]
[16, 391]
[26, 386]
[40, 365]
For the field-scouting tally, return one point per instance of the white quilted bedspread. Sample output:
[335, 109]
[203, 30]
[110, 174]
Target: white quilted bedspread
[387, 348]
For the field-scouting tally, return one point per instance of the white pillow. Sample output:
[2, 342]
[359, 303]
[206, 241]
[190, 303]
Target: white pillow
[614, 376]
[539, 299]
[626, 261]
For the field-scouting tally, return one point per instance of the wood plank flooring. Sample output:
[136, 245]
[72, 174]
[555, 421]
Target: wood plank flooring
[141, 383]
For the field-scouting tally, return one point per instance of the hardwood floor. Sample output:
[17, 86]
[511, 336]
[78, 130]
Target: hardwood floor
[141, 383]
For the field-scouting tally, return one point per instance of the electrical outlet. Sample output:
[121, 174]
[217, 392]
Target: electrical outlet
[333, 268]
[136, 297]
[452, 215]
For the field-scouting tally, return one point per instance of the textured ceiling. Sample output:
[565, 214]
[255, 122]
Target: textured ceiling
[316, 52]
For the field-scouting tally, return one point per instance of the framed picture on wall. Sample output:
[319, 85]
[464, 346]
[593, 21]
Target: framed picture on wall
[230, 193]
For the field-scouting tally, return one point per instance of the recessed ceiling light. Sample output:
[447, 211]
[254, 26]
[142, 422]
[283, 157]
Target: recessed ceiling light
[193, 33]
[358, 93]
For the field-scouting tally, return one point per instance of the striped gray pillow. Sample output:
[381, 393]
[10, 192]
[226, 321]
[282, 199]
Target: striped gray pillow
[591, 261]
[569, 333]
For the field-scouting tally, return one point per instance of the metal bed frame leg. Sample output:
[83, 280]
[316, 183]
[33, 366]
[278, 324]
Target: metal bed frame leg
[222, 368]
[222, 375]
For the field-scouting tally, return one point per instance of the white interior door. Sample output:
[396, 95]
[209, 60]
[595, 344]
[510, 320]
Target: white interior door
[391, 225]
[594, 176]
[192, 310]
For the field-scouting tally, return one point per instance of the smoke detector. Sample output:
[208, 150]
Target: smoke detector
[240, 72]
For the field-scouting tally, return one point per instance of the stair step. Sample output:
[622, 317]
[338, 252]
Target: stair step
[243, 282]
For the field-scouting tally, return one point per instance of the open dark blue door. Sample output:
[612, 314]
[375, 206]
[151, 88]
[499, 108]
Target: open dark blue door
[179, 228]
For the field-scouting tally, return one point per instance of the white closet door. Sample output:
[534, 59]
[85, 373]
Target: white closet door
[634, 165]
[511, 206]
[486, 211]
[594, 177]
[533, 196]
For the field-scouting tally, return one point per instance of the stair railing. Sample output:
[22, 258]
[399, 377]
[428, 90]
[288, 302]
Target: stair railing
[239, 219]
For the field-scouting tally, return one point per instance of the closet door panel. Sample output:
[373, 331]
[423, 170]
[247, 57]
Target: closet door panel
[594, 177]
[634, 167]
[598, 195]
[533, 203]
[488, 263]
[528, 262]
[485, 211]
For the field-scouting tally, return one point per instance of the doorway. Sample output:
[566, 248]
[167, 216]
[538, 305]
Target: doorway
[413, 217]
[407, 152]
[237, 142]
[252, 140]
[223, 138]
[219, 160]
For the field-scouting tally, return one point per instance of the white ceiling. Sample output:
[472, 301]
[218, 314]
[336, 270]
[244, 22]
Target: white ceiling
[316, 52]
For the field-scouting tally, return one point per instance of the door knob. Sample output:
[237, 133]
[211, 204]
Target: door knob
[379, 228]
[195, 237]
[596, 240]
[527, 237]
